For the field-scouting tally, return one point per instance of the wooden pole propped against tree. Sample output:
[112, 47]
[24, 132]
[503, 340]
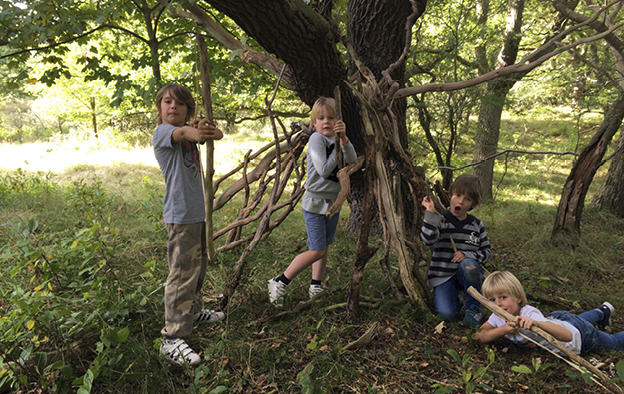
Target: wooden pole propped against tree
[209, 168]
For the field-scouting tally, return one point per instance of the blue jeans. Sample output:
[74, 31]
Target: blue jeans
[592, 339]
[445, 295]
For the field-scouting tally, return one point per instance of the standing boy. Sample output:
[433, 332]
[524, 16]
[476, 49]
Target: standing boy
[322, 189]
[175, 147]
[461, 247]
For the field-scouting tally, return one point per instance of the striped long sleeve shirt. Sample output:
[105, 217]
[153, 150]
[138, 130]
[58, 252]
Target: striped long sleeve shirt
[469, 236]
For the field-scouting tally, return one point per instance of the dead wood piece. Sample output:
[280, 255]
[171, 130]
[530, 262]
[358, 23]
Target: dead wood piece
[443, 197]
[345, 184]
[337, 142]
[209, 146]
[363, 252]
[236, 233]
[301, 306]
[384, 262]
[280, 188]
[231, 285]
[265, 164]
[510, 318]
[365, 339]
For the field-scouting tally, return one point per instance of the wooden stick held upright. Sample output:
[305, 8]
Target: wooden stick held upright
[209, 168]
[337, 144]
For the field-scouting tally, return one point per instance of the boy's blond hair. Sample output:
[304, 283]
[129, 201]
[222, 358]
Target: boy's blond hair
[504, 282]
[323, 103]
[180, 93]
[468, 185]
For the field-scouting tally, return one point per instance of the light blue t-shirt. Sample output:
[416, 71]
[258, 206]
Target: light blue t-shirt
[180, 165]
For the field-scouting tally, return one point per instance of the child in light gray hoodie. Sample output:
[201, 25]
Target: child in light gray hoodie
[322, 188]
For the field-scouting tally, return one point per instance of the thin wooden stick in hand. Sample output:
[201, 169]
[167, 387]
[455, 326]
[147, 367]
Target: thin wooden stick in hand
[453, 243]
[337, 144]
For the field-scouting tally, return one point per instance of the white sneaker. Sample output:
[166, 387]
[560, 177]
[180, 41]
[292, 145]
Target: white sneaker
[176, 351]
[277, 290]
[208, 316]
[315, 290]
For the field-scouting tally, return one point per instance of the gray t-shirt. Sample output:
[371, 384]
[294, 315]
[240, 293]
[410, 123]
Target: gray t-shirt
[179, 163]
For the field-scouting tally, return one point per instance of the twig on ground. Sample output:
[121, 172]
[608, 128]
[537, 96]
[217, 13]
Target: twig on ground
[365, 339]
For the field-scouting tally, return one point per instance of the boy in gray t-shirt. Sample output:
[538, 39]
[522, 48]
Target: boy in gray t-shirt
[175, 147]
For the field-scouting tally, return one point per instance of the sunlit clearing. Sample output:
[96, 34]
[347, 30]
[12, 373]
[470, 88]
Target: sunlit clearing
[58, 156]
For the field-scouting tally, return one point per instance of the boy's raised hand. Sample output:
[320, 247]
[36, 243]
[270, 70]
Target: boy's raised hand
[427, 202]
[206, 131]
[340, 128]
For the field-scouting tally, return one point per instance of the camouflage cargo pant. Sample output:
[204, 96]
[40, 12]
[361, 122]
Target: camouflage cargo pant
[187, 269]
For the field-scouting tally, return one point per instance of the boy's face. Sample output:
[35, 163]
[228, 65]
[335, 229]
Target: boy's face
[324, 123]
[172, 110]
[506, 302]
[460, 204]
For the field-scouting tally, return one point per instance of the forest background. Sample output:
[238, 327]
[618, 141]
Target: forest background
[525, 94]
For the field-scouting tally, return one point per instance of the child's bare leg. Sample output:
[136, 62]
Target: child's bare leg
[303, 261]
[318, 268]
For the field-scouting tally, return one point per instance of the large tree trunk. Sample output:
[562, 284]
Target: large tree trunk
[488, 129]
[486, 139]
[566, 230]
[567, 227]
[376, 28]
[610, 198]
[378, 31]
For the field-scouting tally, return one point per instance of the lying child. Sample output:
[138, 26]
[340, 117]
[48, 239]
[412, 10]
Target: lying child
[576, 333]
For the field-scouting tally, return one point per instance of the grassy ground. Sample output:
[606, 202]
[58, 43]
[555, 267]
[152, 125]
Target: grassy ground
[96, 262]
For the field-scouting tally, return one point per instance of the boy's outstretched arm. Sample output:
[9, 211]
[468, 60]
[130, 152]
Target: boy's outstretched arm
[489, 333]
[200, 131]
[559, 332]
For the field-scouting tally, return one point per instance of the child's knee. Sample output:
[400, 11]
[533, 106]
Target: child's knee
[471, 270]
[319, 254]
[469, 265]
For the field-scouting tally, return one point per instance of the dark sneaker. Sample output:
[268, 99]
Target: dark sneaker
[176, 351]
[472, 319]
[607, 310]
[208, 316]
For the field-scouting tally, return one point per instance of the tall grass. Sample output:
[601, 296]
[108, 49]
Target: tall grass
[83, 258]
